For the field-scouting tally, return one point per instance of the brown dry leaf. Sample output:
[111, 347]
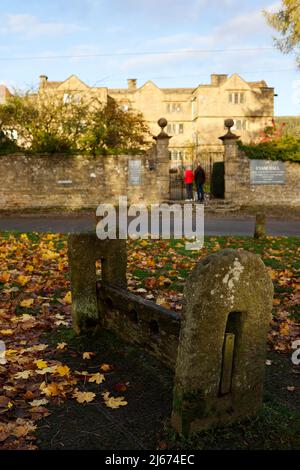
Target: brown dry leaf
[83, 372]
[47, 370]
[25, 374]
[4, 277]
[106, 367]
[37, 347]
[83, 397]
[38, 403]
[4, 401]
[28, 395]
[23, 427]
[52, 389]
[87, 355]
[113, 402]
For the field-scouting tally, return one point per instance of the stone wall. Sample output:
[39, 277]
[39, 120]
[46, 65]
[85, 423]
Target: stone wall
[238, 187]
[72, 182]
[287, 194]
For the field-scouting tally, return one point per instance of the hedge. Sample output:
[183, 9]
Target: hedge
[286, 148]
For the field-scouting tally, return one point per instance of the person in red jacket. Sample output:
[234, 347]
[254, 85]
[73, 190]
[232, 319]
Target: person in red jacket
[189, 179]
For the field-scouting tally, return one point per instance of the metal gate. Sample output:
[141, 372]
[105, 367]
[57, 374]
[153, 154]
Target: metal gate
[177, 186]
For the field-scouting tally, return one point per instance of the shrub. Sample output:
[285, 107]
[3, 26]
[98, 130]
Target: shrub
[217, 180]
[285, 148]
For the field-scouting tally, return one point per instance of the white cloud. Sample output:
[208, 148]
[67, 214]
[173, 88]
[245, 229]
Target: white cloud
[29, 26]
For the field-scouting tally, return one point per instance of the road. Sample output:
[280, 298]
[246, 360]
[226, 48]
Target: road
[213, 225]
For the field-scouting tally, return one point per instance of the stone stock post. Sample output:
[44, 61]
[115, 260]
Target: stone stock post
[231, 160]
[222, 346]
[84, 249]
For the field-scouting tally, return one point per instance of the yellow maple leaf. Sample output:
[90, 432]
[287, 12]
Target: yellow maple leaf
[68, 298]
[40, 364]
[62, 370]
[49, 255]
[26, 303]
[113, 402]
[61, 345]
[10, 352]
[6, 332]
[284, 328]
[98, 378]
[22, 280]
[29, 268]
[82, 397]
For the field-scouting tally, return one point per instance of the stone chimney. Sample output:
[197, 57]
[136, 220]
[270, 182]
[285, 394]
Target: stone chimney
[218, 79]
[43, 81]
[131, 83]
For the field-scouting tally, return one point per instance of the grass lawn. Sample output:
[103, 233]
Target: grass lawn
[47, 374]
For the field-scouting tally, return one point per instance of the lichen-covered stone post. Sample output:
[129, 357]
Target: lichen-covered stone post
[84, 250]
[221, 355]
[260, 225]
[163, 161]
[231, 160]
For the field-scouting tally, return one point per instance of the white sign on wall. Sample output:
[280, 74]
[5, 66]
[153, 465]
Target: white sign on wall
[267, 172]
[134, 172]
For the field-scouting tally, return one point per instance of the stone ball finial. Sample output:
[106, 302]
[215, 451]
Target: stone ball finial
[162, 122]
[229, 123]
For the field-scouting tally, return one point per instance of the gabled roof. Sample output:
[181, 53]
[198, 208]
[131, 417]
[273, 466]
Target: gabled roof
[74, 83]
[235, 80]
[152, 85]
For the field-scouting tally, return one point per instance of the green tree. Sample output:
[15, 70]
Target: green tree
[113, 130]
[287, 22]
[45, 124]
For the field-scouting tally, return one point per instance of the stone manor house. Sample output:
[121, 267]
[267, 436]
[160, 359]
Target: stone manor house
[195, 115]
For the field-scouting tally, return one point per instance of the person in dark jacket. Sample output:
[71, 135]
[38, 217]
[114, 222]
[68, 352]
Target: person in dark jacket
[200, 178]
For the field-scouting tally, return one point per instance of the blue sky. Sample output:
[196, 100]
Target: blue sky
[147, 29]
